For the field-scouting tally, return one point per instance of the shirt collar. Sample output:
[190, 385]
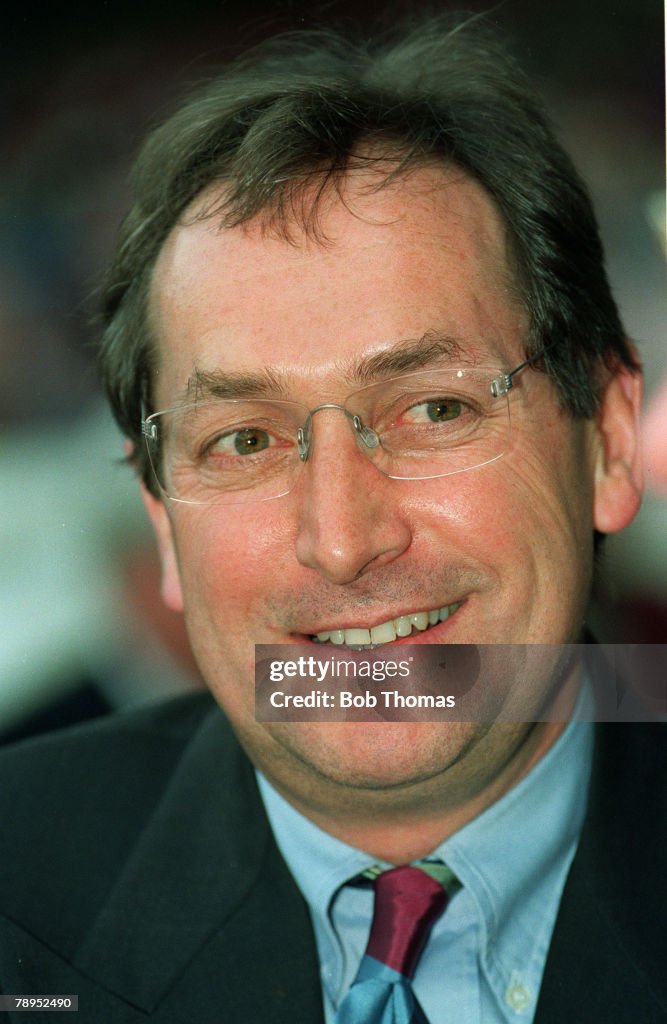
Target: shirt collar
[319, 862]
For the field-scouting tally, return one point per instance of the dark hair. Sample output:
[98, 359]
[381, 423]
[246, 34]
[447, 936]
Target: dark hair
[303, 108]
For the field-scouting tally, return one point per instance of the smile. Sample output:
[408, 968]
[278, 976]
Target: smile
[386, 632]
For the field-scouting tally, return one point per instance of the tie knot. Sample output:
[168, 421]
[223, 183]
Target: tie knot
[407, 902]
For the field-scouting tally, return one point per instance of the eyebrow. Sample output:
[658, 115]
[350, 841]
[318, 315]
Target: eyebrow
[406, 356]
[432, 348]
[234, 384]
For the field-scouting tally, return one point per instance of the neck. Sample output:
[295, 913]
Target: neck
[410, 826]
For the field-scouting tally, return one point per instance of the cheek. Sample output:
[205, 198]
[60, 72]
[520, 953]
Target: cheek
[541, 493]
[473, 520]
[548, 507]
[228, 557]
[526, 521]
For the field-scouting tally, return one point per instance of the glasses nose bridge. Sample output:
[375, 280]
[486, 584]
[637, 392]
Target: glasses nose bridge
[304, 435]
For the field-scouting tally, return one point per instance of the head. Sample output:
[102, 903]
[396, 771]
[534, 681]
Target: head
[319, 213]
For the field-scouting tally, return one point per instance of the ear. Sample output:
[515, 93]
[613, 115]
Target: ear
[618, 472]
[171, 579]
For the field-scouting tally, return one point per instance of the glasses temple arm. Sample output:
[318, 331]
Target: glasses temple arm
[501, 385]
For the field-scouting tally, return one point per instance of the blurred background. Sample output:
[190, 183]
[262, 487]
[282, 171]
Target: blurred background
[82, 629]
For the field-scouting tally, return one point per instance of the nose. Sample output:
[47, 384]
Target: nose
[350, 518]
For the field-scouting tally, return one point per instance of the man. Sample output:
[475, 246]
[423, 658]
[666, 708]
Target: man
[346, 272]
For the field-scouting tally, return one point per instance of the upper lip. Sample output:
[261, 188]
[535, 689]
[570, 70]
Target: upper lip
[366, 622]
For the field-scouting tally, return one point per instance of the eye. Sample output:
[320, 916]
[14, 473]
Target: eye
[436, 410]
[247, 441]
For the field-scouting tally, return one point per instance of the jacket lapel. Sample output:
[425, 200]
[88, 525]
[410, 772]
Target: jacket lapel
[205, 912]
[607, 951]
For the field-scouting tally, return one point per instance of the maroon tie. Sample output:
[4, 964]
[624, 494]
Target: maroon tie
[407, 903]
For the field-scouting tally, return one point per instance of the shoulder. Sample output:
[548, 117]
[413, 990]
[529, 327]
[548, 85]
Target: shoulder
[95, 773]
[104, 756]
[629, 765]
[627, 815]
[611, 918]
[619, 866]
[73, 804]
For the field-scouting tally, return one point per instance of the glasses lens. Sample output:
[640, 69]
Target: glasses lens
[226, 452]
[434, 424]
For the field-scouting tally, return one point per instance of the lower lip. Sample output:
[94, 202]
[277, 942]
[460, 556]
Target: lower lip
[435, 635]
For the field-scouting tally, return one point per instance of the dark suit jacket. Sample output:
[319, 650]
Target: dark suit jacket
[138, 871]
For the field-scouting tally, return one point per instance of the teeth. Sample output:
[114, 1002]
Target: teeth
[403, 625]
[387, 631]
[357, 636]
[383, 634]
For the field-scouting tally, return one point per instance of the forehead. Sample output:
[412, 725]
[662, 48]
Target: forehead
[423, 256]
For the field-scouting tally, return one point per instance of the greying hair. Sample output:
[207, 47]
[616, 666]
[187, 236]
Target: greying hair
[304, 108]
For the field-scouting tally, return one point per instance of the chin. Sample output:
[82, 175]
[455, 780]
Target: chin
[374, 755]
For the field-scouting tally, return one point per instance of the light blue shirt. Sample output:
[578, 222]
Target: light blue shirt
[484, 960]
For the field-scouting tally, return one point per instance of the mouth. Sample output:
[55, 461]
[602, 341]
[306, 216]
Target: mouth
[400, 628]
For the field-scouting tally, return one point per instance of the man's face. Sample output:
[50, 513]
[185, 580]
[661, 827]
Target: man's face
[510, 543]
